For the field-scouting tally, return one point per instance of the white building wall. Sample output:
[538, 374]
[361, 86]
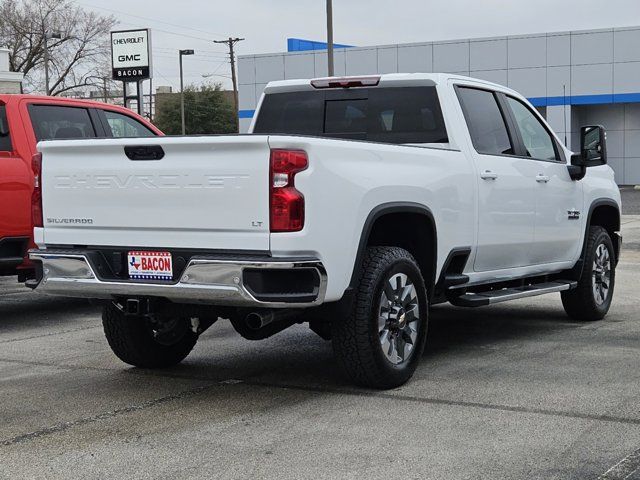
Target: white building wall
[10, 82]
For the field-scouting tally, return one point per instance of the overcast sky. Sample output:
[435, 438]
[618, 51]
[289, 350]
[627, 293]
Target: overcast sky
[266, 24]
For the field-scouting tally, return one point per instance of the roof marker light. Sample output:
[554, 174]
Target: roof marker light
[345, 82]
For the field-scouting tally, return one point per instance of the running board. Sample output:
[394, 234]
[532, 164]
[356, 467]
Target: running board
[504, 295]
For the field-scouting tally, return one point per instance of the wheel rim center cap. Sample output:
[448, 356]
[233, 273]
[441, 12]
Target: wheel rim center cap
[398, 317]
[401, 320]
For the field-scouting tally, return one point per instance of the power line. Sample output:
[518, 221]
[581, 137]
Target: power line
[171, 57]
[168, 51]
[218, 67]
[160, 73]
[207, 53]
[155, 29]
[127, 14]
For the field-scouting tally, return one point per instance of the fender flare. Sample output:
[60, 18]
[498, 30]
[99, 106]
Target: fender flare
[389, 208]
[576, 271]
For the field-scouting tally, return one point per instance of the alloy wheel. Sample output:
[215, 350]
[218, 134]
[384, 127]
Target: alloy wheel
[601, 274]
[398, 318]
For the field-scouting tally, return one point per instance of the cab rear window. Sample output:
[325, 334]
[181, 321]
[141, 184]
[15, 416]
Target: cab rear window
[5, 137]
[54, 122]
[390, 115]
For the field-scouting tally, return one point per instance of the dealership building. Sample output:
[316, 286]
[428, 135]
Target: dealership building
[573, 78]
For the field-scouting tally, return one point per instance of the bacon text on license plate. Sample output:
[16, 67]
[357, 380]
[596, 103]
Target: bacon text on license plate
[150, 265]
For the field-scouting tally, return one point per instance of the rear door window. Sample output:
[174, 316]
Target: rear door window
[124, 126]
[60, 122]
[406, 115]
[383, 114]
[485, 121]
[5, 137]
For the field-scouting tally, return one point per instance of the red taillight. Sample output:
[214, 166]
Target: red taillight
[286, 203]
[36, 196]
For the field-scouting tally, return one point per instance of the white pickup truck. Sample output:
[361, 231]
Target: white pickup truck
[355, 204]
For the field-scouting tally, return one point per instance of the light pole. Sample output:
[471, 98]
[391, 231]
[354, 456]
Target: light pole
[182, 53]
[329, 38]
[47, 36]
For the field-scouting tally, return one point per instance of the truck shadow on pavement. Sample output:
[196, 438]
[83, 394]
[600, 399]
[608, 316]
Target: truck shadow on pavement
[297, 357]
[451, 328]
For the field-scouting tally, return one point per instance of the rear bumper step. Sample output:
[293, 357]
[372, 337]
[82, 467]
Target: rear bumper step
[504, 295]
[205, 280]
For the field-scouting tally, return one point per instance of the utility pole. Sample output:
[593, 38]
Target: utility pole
[230, 43]
[151, 99]
[330, 38]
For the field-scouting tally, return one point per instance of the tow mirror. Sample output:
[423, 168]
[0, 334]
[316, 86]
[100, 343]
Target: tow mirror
[593, 147]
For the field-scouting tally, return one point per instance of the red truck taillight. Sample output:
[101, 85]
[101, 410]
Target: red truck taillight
[286, 203]
[36, 196]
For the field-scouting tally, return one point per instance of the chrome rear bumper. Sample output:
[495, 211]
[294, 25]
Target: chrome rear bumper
[205, 280]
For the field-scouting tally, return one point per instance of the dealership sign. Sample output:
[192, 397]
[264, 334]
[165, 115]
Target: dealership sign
[131, 55]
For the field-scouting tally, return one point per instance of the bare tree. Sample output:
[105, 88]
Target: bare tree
[77, 59]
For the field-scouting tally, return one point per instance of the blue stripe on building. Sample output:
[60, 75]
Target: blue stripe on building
[585, 99]
[302, 45]
[246, 113]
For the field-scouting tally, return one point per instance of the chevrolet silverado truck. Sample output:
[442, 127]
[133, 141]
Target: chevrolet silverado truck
[24, 121]
[353, 205]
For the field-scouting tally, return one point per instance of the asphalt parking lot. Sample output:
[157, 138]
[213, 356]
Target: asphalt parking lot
[511, 391]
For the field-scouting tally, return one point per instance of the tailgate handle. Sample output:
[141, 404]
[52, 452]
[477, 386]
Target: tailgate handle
[144, 152]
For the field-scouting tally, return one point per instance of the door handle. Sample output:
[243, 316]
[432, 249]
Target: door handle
[540, 178]
[488, 175]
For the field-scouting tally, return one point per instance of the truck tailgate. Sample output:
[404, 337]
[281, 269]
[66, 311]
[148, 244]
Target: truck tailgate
[205, 193]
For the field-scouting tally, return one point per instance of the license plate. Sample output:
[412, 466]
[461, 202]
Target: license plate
[150, 265]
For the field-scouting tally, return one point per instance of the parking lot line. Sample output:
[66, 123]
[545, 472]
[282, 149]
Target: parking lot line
[50, 334]
[60, 427]
[624, 469]
[631, 461]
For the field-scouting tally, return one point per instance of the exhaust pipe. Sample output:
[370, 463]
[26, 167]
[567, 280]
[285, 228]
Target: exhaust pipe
[261, 324]
[257, 320]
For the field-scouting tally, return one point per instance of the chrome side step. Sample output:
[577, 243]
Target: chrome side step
[504, 295]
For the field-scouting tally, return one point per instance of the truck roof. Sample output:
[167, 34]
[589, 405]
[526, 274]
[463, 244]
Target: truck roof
[386, 79]
[15, 99]
[10, 98]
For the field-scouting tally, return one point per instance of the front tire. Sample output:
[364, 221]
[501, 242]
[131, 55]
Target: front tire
[138, 342]
[380, 343]
[591, 299]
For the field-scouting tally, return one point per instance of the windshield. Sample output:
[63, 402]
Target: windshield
[390, 115]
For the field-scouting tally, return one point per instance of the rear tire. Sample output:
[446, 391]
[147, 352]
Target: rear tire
[591, 299]
[380, 343]
[134, 340]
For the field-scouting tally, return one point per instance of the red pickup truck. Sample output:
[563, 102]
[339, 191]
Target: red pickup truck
[24, 121]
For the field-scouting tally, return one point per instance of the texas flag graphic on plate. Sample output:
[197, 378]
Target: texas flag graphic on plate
[150, 265]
